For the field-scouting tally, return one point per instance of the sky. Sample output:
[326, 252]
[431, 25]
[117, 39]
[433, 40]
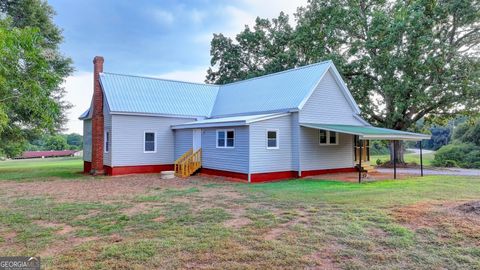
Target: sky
[166, 39]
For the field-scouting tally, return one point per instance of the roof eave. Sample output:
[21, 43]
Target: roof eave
[210, 125]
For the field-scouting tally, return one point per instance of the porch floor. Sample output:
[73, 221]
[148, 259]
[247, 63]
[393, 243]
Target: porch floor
[353, 176]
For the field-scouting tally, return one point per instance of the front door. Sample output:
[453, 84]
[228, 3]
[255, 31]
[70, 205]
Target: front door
[197, 139]
[365, 150]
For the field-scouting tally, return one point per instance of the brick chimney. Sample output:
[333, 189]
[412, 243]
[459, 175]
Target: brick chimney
[97, 119]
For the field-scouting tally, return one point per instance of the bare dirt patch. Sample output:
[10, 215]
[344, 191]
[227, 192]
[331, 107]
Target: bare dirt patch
[63, 246]
[138, 208]
[444, 216]
[159, 219]
[61, 228]
[326, 258]
[90, 214]
[104, 189]
[301, 218]
[9, 236]
[237, 222]
[470, 208]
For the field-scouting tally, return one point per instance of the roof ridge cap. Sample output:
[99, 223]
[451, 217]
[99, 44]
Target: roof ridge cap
[279, 72]
[160, 79]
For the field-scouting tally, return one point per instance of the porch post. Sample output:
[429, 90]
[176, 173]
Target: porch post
[360, 161]
[421, 159]
[394, 161]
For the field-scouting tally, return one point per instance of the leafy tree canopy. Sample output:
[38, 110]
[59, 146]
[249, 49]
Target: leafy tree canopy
[468, 132]
[56, 142]
[403, 61]
[31, 72]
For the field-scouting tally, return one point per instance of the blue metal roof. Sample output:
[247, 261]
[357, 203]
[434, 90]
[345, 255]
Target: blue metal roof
[277, 92]
[133, 94]
[228, 121]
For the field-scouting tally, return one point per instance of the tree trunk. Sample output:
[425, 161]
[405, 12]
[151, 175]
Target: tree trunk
[399, 151]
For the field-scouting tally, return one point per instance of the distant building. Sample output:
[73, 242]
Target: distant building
[47, 154]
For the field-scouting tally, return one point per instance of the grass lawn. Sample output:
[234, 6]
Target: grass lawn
[41, 169]
[143, 222]
[409, 158]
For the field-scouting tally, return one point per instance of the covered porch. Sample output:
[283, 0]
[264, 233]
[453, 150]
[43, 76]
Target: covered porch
[362, 136]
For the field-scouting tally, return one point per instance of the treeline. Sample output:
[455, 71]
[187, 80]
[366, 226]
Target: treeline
[464, 150]
[72, 141]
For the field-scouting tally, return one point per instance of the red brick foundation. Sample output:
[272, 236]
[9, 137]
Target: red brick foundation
[273, 176]
[242, 176]
[87, 166]
[122, 170]
[326, 171]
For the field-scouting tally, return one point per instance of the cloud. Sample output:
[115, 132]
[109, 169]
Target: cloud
[79, 89]
[239, 13]
[162, 16]
[197, 16]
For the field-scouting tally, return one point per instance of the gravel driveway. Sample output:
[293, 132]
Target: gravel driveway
[433, 171]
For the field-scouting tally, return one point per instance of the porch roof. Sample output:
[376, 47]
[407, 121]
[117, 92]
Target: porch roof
[369, 132]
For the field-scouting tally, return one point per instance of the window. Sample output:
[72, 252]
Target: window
[149, 143]
[323, 136]
[225, 138]
[272, 139]
[328, 137]
[107, 141]
[333, 137]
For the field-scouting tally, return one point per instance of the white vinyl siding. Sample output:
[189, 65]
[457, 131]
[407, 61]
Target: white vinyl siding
[263, 159]
[225, 159]
[128, 139]
[328, 105]
[87, 140]
[295, 142]
[314, 156]
[183, 141]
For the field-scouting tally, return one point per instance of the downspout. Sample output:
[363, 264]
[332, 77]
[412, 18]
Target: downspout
[249, 154]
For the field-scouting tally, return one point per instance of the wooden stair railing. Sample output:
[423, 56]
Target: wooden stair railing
[177, 162]
[188, 163]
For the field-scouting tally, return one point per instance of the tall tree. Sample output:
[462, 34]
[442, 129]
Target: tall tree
[402, 60]
[255, 52]
[31, 73]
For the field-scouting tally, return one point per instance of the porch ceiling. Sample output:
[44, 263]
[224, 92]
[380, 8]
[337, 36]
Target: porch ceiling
[369, 132]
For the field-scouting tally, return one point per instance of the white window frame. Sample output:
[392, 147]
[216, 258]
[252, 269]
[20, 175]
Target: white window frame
[277, 132]
[154, 142]
[328, 138]
[107, 143]
[225, 139]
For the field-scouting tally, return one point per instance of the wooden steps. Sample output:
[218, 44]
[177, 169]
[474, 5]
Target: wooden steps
[188, 163]
[368, 167]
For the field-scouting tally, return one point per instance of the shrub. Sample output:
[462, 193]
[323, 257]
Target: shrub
[379, 162]
[458, 155]
[450, 163]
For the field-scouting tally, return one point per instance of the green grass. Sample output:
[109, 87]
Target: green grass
[404, 224]
[409, 158]
[381, 193]
[41, 169]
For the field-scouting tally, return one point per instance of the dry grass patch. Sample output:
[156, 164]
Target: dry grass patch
[448, 218]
